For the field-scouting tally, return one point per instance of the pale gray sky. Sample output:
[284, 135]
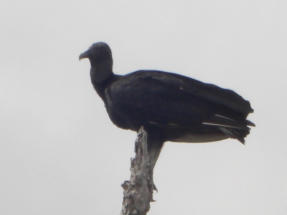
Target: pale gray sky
[59, 152]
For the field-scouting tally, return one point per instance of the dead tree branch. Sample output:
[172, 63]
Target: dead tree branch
[138, 191]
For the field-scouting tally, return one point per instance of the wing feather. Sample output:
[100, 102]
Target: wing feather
[167, 98]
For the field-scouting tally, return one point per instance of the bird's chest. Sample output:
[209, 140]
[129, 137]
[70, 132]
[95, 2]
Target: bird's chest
[120, 115]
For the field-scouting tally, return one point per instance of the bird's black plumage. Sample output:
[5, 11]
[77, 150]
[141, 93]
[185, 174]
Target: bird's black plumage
[171, 107]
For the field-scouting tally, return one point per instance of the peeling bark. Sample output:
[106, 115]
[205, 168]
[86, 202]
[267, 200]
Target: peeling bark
[138, 191]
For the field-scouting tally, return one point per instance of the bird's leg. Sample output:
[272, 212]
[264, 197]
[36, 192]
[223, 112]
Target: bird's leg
[154, 154]
[154, 149]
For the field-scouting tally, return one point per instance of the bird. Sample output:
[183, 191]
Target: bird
[170, 107]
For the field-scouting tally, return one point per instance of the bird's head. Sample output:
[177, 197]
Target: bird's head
[100, 56]
[98, 53]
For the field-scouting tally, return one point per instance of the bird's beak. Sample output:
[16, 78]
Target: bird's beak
[84, 55]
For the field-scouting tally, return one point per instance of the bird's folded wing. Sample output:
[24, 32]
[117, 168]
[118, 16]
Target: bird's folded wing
[205, 91]
[171, 98]
[156, 100]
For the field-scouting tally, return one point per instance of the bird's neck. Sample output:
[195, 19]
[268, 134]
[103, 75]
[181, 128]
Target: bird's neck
[101, 73]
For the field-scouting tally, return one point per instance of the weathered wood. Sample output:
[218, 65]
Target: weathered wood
[138, 191]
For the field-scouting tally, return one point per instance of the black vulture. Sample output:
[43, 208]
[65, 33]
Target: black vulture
[169, 106]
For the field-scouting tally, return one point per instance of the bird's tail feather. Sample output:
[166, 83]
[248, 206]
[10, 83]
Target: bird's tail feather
[233, 128]
[235, 133]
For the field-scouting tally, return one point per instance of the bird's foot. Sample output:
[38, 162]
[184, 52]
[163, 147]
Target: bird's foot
[154, 187]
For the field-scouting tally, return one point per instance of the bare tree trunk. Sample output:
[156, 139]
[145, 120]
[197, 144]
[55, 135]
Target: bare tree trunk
[138, 191]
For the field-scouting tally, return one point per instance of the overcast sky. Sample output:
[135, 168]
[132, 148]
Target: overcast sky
[61, 155]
